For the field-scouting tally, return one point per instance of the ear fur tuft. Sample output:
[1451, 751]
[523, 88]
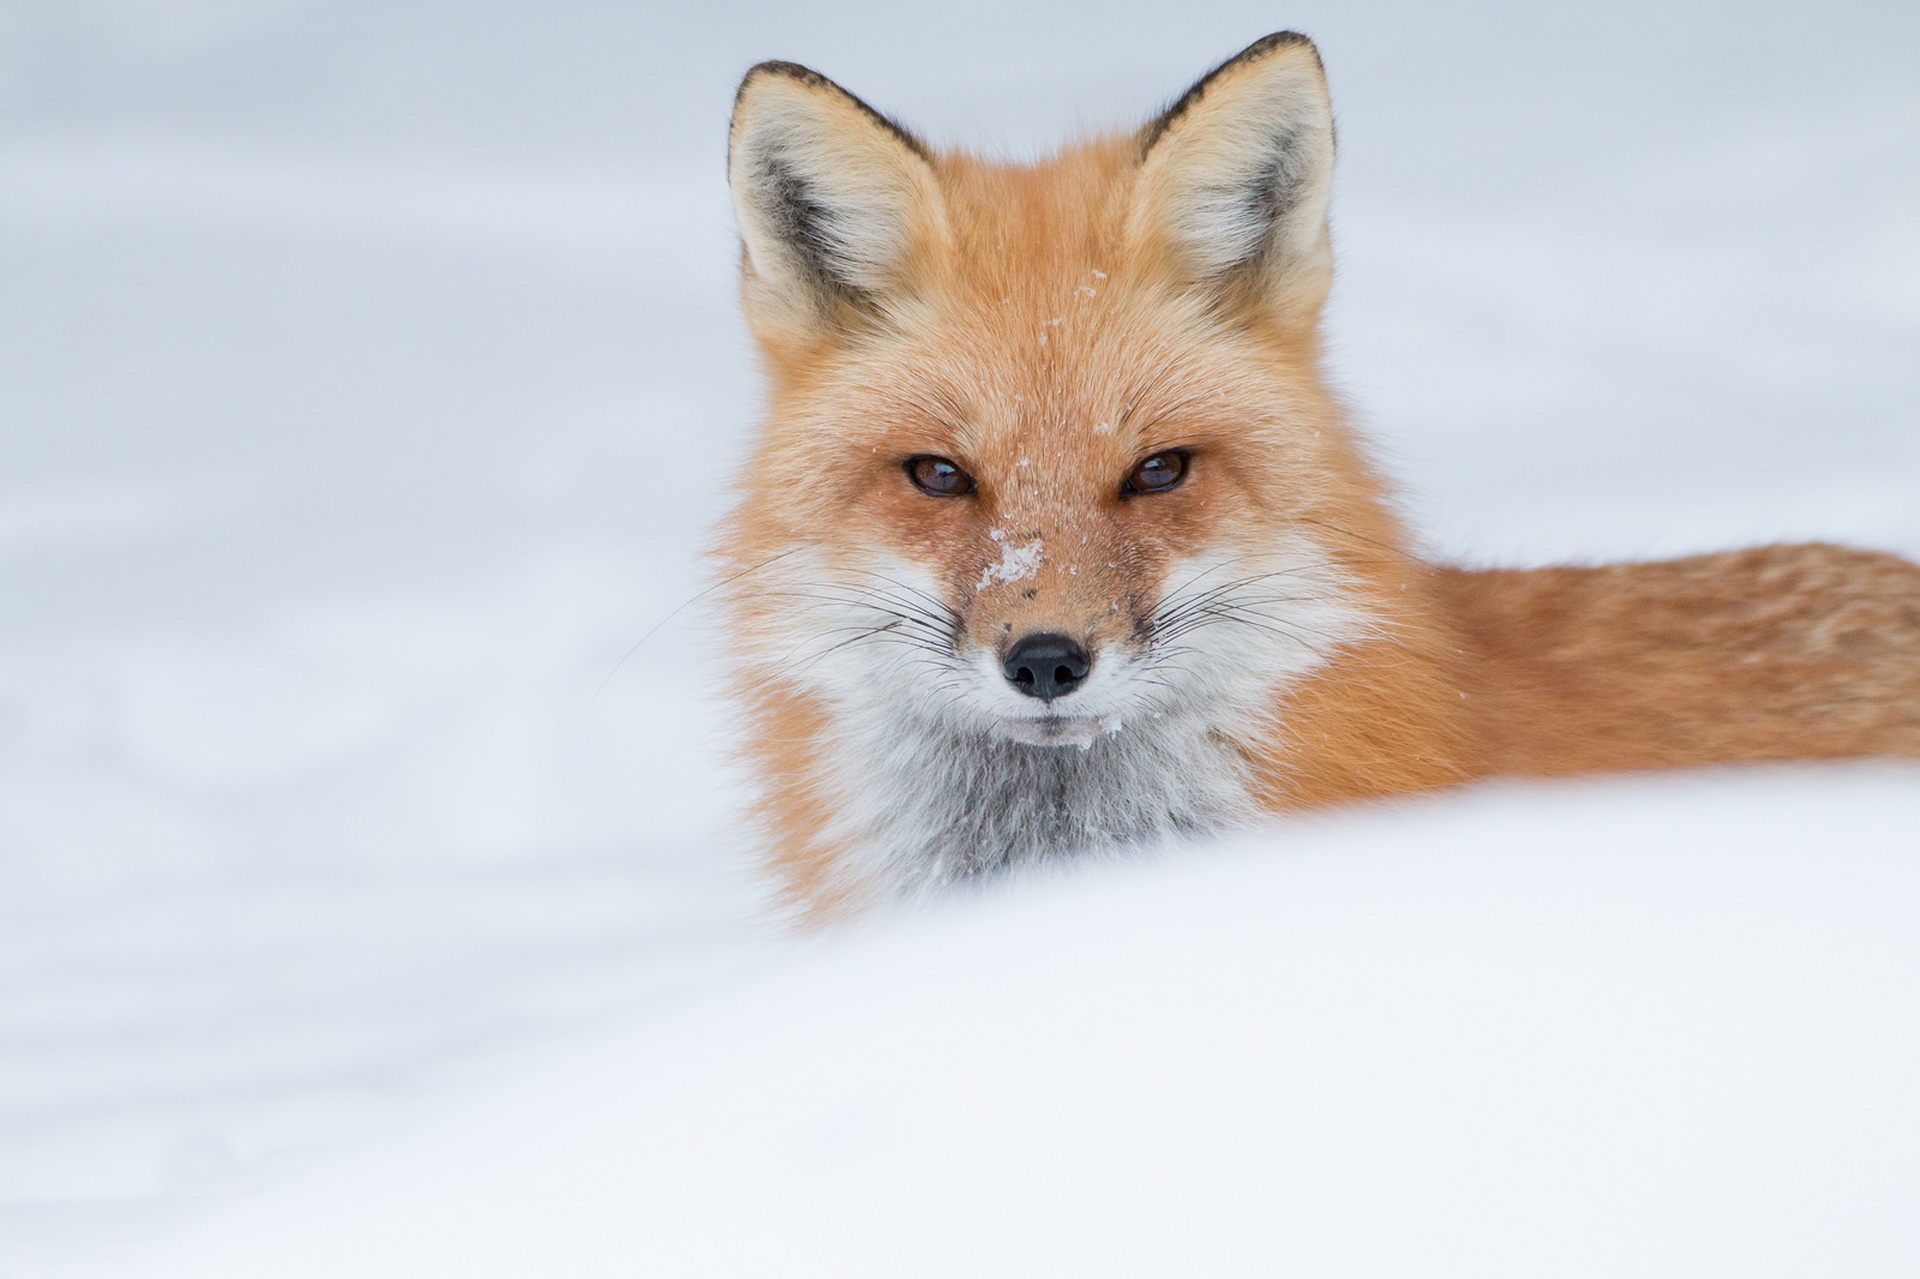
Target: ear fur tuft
[1198, 89]
[1235, 178]
[832, 198]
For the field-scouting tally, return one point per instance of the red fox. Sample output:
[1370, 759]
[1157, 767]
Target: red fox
[1055, 539]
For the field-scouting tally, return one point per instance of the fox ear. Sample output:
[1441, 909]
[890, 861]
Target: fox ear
[833, 201]
[1234, 181]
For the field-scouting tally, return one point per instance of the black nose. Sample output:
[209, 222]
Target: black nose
[1047, 666]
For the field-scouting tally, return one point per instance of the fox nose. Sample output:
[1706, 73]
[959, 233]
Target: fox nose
[1047, 666]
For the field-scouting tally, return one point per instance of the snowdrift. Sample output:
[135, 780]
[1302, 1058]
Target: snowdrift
[1647, 1027]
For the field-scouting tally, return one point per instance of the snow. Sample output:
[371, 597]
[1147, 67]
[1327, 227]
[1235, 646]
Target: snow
[369, 374]
[1640, 1029]
[1017, 563]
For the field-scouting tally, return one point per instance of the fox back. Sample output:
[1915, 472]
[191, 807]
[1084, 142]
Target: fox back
[1055, 539]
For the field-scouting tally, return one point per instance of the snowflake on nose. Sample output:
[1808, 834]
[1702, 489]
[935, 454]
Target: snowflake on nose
[1017, 563]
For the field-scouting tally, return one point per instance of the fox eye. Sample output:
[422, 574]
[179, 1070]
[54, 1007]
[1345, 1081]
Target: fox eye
[938, 476]
[1157, 474]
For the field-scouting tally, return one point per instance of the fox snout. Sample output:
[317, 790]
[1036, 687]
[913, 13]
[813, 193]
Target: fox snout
[1047, 665]
[1052, 648]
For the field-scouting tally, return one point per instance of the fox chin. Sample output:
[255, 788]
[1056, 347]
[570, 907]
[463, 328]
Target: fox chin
[1059, 730]
[1055, 539]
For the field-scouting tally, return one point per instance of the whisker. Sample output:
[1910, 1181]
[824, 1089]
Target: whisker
[1367, 541]
[820, 657]
[683, 606]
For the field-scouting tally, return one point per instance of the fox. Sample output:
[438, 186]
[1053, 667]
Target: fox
[1055, 539]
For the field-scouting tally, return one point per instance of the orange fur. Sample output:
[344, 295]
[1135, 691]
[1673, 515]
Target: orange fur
[1044, 324]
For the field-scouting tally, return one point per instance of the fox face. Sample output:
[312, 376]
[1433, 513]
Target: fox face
[1043, 549]
[1052, 511]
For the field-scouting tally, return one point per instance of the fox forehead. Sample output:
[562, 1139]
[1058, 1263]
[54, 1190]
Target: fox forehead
[1030, 305]
[1028, 388]
[1034, 235]
[1050, 405]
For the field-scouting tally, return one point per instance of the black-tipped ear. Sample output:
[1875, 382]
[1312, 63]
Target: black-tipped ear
[1235, 178]
[833, 201]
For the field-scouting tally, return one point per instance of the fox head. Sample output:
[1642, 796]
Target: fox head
[1052, 506]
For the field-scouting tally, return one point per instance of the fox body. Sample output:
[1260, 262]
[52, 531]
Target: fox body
[1056, 540]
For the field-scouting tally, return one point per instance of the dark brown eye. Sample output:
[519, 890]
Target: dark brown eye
[1157, 474]
[938, 476]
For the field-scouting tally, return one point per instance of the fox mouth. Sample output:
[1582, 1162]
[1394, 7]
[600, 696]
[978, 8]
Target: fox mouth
[1058, 729]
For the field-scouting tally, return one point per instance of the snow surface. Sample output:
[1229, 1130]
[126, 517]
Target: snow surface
[1653, 1029]
[369, 375]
